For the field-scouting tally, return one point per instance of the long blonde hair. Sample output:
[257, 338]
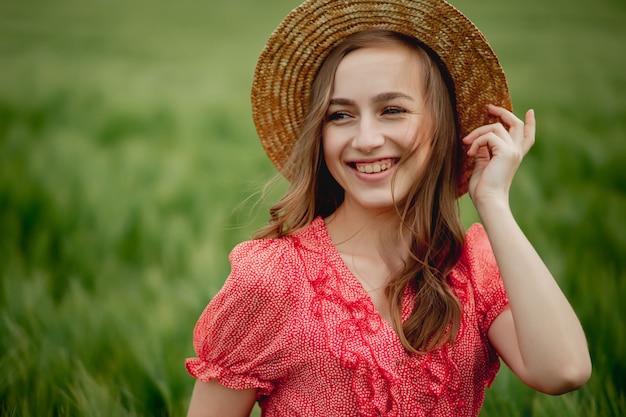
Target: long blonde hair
[428, 214]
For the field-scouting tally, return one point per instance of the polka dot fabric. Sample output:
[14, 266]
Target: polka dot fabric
[292, 321]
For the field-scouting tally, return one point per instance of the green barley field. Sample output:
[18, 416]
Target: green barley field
[128, 158]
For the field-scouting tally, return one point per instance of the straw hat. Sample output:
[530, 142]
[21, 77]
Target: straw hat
[297, 48]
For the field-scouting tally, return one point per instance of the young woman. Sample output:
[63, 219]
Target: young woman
[364, 296]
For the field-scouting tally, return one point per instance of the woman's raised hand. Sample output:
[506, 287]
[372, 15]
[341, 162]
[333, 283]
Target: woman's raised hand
[498, 149]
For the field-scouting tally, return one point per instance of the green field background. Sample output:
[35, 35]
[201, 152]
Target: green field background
[128, 158]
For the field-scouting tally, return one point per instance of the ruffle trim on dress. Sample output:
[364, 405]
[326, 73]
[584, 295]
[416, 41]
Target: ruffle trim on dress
[357, 345]
[205, 371]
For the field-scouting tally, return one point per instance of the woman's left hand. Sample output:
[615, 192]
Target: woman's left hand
[498, 149]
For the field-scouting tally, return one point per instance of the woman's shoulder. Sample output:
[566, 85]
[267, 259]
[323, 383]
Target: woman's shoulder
[477, 264]
[260, 250]
[476, 237]
[477, 252]
[476, 279]
[273, 258]
[262, 262]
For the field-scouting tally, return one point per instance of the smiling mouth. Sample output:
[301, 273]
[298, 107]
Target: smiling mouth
[373, 167]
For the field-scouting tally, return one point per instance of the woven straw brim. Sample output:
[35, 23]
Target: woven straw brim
[297, 48]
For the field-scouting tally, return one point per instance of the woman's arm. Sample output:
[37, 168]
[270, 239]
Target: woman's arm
[539, 337]
[212, 399]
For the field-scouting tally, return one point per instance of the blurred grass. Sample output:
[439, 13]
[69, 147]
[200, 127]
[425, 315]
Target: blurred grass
[127, 153]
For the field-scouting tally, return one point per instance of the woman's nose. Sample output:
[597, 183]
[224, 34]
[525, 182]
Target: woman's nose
[369, 136]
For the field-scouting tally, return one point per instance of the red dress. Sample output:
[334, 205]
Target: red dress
[294, 322]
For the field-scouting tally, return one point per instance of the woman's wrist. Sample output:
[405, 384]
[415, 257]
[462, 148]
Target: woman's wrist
[492, 209]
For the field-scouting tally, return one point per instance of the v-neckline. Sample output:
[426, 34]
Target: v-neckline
[353, 282]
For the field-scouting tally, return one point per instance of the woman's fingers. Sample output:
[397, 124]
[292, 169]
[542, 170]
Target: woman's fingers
[487, 140]
[529, 131]
[487, 135]
[516, 131]
[496, 128]
[522, 132]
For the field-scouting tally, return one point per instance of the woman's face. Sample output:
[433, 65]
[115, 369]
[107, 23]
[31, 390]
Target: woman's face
[377, 116]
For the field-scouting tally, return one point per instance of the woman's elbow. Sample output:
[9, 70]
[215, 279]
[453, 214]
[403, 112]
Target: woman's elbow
[568, 378]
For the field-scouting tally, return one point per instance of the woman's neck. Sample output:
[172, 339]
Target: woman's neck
[361, 232]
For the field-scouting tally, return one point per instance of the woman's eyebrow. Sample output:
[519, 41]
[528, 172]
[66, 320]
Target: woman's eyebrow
[340, 102]
[379, 98]
[382, 97]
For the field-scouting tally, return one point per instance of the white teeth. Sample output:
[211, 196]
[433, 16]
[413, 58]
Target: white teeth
[373, 168]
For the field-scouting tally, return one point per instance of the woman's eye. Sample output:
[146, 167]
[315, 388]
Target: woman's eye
[336, 116]
[394, 110]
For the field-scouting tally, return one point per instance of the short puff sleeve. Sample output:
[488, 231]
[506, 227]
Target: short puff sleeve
[241, 338]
